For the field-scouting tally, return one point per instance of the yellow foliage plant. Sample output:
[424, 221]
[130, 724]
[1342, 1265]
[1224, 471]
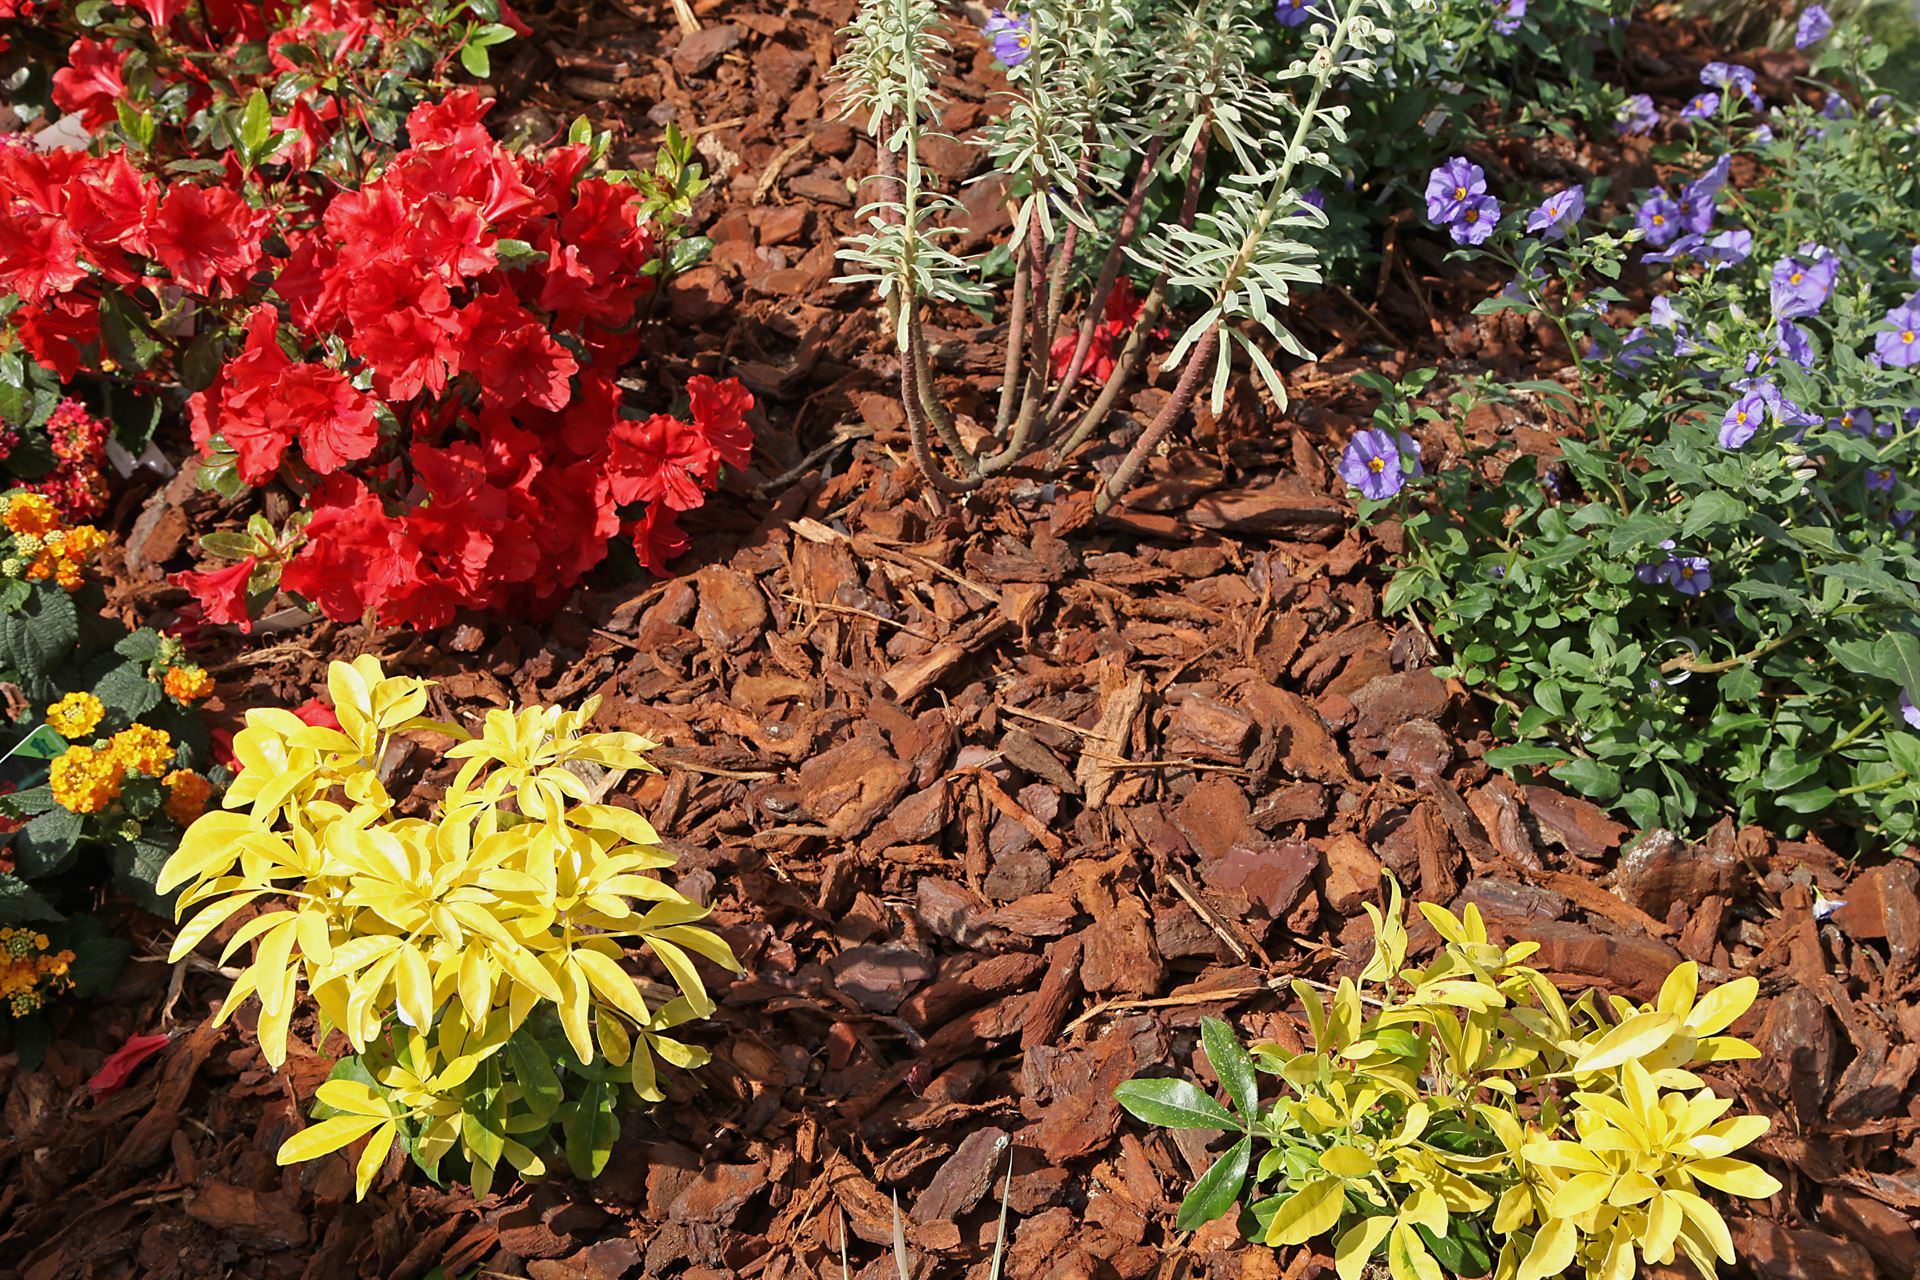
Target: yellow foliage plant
[475, 960]
[1462, 1119]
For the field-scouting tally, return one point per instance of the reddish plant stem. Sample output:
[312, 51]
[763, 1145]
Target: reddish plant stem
[1174, 410]
[912, 364]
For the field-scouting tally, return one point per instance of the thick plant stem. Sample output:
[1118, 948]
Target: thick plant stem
[1016, 342]
[1040, 338]
[1174, 410]
[930, 394]
[1109, 276]
[919, 429]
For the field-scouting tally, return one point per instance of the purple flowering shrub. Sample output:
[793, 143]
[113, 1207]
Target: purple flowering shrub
[1709, 602]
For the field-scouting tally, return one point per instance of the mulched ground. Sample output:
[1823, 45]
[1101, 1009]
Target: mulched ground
[994, 802]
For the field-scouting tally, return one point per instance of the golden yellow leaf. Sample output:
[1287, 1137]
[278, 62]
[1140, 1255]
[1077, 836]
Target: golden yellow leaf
[1311, 1211]
[328, 1135]
[1634, 1038]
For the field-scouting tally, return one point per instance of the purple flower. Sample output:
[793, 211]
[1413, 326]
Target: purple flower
[1815, 25]
[1012, 38]
[1880, 479]
[1451, 185]
[1836, 107]
[1558, 213]
[1691, 574]
[1479, 215]
[1899, 345]
[1730, 79]
[1762, 135]
[1702, 106]
[1909, 712]
[1658, 217]
[1637, 115]
[1803, 283]
[1713, 181]
[1913, 263]
[1861, 423]
[1794, 344]
[1678, 249]
[1729, 247]
[1638, 347]
[1509, 22]
[1657, 571]
[1372, 463]
[1744, 418]
[1292, 13]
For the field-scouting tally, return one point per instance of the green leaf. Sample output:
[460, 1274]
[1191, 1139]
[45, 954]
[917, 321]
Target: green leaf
[1173, 1104]
[1234, 1066]
[256, 125]
[136, 868]
[42, 633]
[590, 1129]
[45, 845]
[140, 646]
[126, 692]
[1218, 1189]
[19, 902]
[1520, 756]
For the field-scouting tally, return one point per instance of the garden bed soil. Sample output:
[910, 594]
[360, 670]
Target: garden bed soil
[995, 802]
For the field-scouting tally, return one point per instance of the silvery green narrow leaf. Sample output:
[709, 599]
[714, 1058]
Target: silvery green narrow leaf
[1267, 372]
[1222, 369]
[1219, 1187]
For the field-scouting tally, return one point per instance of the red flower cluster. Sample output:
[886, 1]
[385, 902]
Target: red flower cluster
[77, 485]
[466, 314]
[1109, 336]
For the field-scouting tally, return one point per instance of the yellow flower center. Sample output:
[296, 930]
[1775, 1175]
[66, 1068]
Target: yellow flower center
[1459, 193]
[1659, 219]
[1686, 571]
[1473, 215]
[1794, 278]
[1741, 417]
[1906, 335]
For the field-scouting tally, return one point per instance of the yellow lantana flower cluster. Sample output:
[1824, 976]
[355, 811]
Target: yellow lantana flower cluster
[43, 546]
[76, 715]
[30, 970]
[88, 779]
[187, 795]
[187, 683]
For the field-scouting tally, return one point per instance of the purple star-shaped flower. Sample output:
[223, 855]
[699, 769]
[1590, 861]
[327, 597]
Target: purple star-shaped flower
[1509, 22]
[1450, 185]
[1658, 217]
[1743, 419]
[1691, 574]
[1637, 115]
[1795, 345]
[1558, 213]
[1802, 283]
[1702, 106]
[1012, 38]
[1899, 346]
[1815, 25]
[1292, 13]
[1372, 463]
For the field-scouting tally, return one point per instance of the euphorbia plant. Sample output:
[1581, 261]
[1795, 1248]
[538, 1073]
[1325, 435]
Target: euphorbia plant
[473, 960]
[1105, 101]
[1460, 1118]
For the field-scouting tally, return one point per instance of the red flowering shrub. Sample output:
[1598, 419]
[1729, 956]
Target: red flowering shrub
[177, 77]
[430, 361]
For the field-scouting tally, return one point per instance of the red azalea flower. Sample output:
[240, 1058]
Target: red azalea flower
[318, 714]
[236, 405]
[39, 255]
[333, 419]
[719, 416]
[160, 13]
[221, 593]
[350, 559]
[91, 83]
[207, 236]
[657, 540]
[652, 461]
[56, 332]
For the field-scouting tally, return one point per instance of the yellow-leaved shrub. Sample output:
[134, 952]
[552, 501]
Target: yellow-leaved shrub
[474, 960]
[1463, 1119]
